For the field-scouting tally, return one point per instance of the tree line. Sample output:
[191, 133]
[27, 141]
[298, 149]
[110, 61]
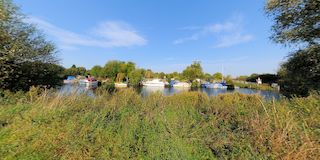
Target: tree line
[120, 71]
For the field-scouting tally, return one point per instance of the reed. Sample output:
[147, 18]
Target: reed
[124, 125]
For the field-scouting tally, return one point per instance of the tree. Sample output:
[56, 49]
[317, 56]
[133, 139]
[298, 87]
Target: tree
[266, 78]
[242, 78]
[297, 23]
[82, 71]
[136, 76]
[20, 44]
[174, 75]
[148, 74]
[112, 68]
[96, 71]
[208, 77]
[228, 79]
[301, 73]
[71, 72]
[217, 76]
[120, 77]
[37, 74]
[193, 71]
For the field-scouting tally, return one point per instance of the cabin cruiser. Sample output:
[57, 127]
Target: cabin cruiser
[90, 81]
[69, 80]
[221, 85]
[180, 84]
[154, 83]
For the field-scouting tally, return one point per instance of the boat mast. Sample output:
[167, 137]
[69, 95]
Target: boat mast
[222, 73]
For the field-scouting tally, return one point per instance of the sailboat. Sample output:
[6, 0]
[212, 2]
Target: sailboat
[217, 85]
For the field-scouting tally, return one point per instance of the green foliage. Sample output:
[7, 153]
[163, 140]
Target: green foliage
[189, 125]
[208, 77]
[136, 76]
[195, 84]
[297, 23]
[266, 78]
[112, 68]
[217, 76]
[120, 77]
[242, 78]
[96, 71]
[301, 73]
[229, 80]
[35, 74]
[174, 75]
[25, 56]
[148, 74]
[75, 71]
[253, 85]
[193, 71]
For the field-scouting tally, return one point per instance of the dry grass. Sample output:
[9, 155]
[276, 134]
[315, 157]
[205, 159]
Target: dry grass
[191, 125]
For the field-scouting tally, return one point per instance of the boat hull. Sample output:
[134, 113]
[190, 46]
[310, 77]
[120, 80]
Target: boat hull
[88, 83]
[121, 85]
[154, 85]
[181, 85]
[216, 86]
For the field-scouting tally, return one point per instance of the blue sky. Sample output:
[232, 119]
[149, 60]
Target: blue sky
[164, 35]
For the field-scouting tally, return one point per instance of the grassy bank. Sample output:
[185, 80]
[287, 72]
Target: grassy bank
[254, 86]
[189, 125]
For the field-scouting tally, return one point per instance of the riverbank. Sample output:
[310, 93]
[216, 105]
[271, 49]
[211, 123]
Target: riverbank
[265, 87]
[189, 125]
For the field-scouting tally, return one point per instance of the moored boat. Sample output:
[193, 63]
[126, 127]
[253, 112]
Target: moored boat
[69, 80]
[90, 81]
[121, 85]
[180, 84]
[216, 85]
[154, 83]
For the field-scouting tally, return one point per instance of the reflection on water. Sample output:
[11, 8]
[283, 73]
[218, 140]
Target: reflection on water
[145, 91]
[76, 89]
[269, 95]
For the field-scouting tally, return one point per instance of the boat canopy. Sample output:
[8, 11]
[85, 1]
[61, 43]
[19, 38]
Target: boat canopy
[71, 77]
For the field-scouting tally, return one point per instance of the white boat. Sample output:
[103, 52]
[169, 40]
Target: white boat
[181, 85]
[154, 83]
[70, 80]
[216, 86]
[88, 82]
[121, 85]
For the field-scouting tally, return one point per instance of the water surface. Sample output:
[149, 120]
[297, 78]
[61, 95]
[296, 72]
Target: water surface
[145, 91]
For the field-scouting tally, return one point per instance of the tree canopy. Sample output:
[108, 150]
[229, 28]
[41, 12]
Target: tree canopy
[297, 22]
[301, 73]
[21, 45]
[193, 71]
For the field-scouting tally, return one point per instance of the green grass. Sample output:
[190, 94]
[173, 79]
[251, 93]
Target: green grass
[254, 86]
[189, 125]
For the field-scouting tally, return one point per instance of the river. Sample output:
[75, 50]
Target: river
[145, 91]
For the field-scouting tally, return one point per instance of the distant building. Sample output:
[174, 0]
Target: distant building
[259, 80]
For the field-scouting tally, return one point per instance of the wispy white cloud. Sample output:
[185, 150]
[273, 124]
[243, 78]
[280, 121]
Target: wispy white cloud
[226, 34]
[233, 39]
[106, 35]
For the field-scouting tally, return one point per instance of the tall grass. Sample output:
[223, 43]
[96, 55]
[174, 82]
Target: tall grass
[189, 125]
